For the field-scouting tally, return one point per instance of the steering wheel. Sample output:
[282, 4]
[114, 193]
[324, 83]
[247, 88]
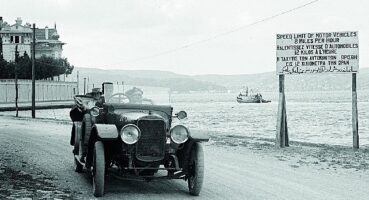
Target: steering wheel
[118, 98]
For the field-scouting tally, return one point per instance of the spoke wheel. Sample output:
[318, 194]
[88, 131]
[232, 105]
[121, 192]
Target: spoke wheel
[196, 169]
[85, 137]
[98, 171]
[86, 128]
[76, 151]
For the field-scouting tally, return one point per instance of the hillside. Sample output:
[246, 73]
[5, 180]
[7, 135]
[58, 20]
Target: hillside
[221, 83]
[176, 82]
[269, 81]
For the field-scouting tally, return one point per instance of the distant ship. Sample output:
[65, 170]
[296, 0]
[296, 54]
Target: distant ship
[246, 97]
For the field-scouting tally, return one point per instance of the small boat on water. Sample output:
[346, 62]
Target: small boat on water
[249, 97]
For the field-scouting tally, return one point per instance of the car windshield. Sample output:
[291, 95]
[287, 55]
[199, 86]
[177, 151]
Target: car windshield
[139, 95]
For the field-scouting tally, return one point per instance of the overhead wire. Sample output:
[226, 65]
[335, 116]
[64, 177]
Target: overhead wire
[206, 39]
[217, 35]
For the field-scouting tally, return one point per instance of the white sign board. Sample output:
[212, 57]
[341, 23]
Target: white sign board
[332, 52]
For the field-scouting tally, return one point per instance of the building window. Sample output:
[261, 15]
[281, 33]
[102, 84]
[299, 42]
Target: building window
[17, 40]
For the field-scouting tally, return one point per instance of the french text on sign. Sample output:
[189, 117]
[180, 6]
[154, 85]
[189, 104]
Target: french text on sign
[307, 53]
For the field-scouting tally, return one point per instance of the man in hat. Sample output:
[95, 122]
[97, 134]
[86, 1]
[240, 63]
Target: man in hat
[134, 95]
[97, 94]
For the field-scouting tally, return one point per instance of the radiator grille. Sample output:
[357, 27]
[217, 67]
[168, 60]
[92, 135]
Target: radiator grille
[150, 146]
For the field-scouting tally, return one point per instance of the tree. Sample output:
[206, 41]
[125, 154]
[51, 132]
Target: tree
[4, 69]
[49, 67]
[45, 67]
[24, 67]
[69, 67]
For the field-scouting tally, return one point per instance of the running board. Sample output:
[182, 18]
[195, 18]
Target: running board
[158, 168]
[180, 175]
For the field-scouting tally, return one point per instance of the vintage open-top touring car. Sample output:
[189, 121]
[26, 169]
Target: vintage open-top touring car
[131, 137]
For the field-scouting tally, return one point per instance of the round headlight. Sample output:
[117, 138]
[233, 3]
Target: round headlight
[179, 134]
[130, 134]
[95, 111]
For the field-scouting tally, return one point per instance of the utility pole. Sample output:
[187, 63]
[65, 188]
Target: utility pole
[33, 71]
[88, 83]
[84, 85]
[16, 79]
[123, 85]
[77, 82]
[1, 39]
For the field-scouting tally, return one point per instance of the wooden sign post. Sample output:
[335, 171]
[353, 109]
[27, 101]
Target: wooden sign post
[355, 123]
[316, 53]
[282, 130]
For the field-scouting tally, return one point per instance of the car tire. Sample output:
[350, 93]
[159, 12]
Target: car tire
[77, 138]
[85, 137]
[87, 127]
[76, 151]
[98, 172]
[196, 169]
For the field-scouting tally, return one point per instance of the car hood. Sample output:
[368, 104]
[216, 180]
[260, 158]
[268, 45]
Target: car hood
[133, 115]
[111, 107]
[121, 114]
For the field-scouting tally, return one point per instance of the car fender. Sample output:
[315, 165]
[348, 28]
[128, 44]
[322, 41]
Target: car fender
[198, 136]
[184, 153]
[105, 131]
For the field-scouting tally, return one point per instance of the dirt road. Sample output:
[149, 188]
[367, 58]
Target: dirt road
[35, 146]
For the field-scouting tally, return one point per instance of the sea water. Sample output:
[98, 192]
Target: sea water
[316, 117]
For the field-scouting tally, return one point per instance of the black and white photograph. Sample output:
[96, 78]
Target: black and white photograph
[184, 99]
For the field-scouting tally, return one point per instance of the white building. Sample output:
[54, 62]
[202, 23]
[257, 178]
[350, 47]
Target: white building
[47, 40]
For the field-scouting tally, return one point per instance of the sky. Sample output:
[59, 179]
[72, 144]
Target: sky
[165, 34]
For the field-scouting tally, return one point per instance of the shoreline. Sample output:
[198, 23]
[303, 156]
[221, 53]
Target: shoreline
[233, 140]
